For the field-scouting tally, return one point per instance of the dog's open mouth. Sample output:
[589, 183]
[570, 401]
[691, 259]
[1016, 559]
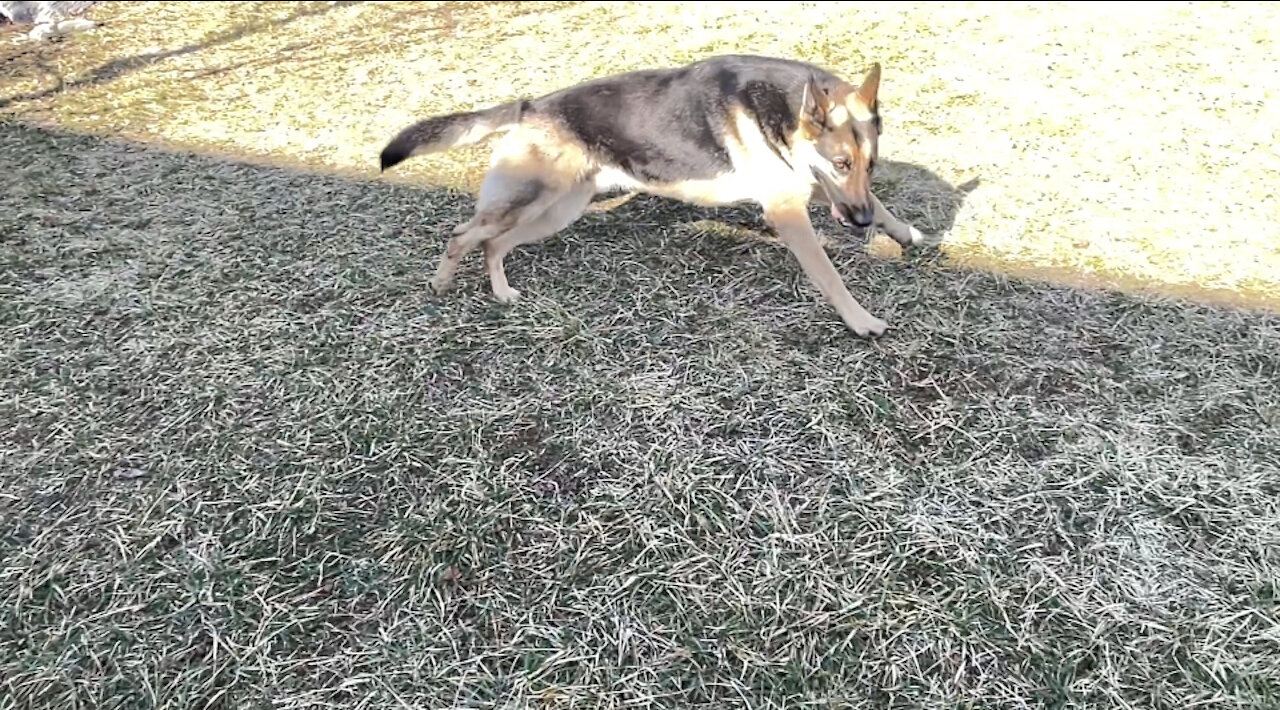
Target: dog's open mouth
[843, 215]
[840, 218]
[841, 211]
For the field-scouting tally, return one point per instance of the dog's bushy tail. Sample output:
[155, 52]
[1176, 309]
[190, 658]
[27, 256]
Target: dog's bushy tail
[440, 133]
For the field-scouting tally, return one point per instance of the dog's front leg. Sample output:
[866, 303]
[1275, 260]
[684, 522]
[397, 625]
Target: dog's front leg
[791, 221]
[901, 232]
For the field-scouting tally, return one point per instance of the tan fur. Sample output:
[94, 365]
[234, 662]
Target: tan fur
[763, 177]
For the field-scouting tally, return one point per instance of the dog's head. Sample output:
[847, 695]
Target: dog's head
[841, 128]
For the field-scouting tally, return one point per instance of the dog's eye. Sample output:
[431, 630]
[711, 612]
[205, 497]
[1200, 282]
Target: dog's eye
[842, 164]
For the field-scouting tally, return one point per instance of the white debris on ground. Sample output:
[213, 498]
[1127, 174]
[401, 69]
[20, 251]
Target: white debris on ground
[50, 19]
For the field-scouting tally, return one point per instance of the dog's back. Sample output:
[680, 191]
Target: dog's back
[656, 125]
[667, 125]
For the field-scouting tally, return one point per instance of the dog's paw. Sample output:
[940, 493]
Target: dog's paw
[907, 236]
[506, 296]
[441, 286]
[871, 328]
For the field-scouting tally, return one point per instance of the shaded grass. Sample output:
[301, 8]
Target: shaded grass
[247, 460]
[1125, 146]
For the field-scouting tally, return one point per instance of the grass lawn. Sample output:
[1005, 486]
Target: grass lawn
[248, 459]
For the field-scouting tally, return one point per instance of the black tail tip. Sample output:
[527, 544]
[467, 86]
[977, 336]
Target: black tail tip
[394, 154]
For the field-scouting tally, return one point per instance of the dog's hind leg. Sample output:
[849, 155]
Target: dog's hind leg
[560, 214]
[791, 220]
[505, 201]
[466, 237]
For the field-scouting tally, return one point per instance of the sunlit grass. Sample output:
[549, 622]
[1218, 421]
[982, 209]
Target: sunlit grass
[1119, 144]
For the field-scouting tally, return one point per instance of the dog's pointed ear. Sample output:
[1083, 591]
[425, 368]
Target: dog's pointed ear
[870, 87]
[813, 106]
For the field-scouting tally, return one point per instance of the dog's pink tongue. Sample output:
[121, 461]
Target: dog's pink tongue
[835, 213]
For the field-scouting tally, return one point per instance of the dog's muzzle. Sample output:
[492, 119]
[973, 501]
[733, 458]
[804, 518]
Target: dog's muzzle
[849, 216]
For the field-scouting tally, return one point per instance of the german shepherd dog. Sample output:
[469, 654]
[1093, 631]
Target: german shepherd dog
[726, 130]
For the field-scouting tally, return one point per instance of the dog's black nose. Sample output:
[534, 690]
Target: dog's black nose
[851, 216]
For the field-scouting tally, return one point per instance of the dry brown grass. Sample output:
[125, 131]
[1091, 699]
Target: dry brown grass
[1114, 144]
[249, 460]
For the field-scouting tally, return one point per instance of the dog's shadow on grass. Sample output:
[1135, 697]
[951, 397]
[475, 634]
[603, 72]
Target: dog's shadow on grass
[645, 244]
[730, 245]
[912, 193]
